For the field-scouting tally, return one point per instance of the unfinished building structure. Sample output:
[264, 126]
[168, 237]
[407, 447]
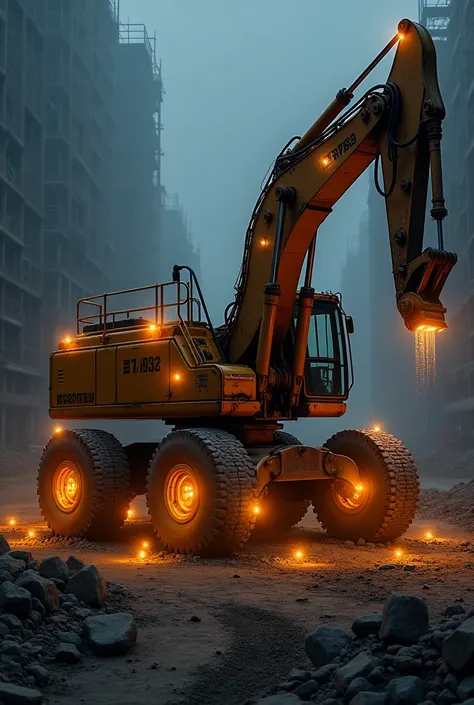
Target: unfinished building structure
[22, 27]
[137, 173]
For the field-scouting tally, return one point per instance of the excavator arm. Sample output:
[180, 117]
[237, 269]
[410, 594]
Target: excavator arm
[397, 124]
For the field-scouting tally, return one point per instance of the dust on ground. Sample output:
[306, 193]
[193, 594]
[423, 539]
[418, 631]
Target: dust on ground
[253, 610]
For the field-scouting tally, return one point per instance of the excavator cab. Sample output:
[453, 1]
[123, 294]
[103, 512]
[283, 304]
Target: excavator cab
[328, 366]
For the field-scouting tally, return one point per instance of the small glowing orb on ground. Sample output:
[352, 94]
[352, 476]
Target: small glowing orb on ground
[256, 510]
[12, 521]
[376, 428]
[31, 534]
[130, 513]
[298, 555]
[142, 554]
[428, 535]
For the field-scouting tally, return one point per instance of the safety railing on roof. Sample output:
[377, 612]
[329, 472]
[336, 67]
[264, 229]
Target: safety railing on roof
[155, 305]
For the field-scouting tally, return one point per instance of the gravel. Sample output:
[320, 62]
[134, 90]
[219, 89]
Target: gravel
[396, 659]
[41, 627]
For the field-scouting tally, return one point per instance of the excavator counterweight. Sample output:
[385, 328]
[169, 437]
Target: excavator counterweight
[283, 352]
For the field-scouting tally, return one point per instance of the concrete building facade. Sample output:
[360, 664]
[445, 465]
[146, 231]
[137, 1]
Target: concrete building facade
[22, 48]
[137, 180]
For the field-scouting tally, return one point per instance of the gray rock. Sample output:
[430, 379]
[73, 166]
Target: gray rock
[39, 673]
[404, 619]
[70, 638]
[74, 565]
[44, 590]
[297, 674]
[306, 690]
[325, 644]
[24, 556]
[68, 653]
[4, 547]
[452, 610]
[323, 674]
[82, 612]
[12, 622]
[367, 698]
[16, 695]
[5, 576]
[15, 600]
[88, 586]
[409, 568]
[370, 624]
[60, 584]
[466, 688]
[360, 665]
[36, 618]
[387, 566]
[438, 638]
[458, 647]
[446, 697]
[430, 655]
[358, 685]
[469, 702]
[54, 567]
[13, 651]
[280, 699]
[110, 634]
[12, 565]
[408, 690]
[407, 664]
[376, 676]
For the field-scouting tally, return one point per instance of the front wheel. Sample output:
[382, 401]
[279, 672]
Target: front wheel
[201, 492]
[84, 484]
[384, 505]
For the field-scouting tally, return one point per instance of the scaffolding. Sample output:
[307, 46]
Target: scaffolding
[435, 16]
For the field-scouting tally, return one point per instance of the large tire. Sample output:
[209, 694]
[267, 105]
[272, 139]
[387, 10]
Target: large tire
[277, 513]
[215, 515]
[386, 507]
[96, 505]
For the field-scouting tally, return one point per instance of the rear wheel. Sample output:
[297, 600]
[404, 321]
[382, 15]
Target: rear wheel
[84, 484]
[384, 505]
[277, 511]
[201, 492]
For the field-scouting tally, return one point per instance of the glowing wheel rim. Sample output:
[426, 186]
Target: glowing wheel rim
[181, 493]
[356, 503]
[67, 486]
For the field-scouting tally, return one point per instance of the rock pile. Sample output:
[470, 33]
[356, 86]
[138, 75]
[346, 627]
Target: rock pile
[394, 658]
[53, 611]
[454, 505]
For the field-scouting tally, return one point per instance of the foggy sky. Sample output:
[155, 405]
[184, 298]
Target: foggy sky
[241, 78]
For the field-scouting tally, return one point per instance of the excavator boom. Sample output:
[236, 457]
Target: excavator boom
[399, 124]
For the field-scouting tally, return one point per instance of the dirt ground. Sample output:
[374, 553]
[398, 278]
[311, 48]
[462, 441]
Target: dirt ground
[254, 610]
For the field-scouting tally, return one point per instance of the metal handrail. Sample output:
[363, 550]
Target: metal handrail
[184, 302]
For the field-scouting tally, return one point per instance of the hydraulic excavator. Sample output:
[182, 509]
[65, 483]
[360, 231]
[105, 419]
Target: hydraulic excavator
[283, 353]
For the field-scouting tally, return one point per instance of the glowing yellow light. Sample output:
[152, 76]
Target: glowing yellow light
[431, 329]
[298, 554]
[325, 161]
[58, 430]
[421, 328]
[399, 554]
[177, 377]
[145, 544]
[67, 340]
[401, 36]
[142, 554]
[256, 510]
[31, 534]
[152, 328]
[428, 535]
[377, 429]
[264, 242]
[359, 488]
[130, 513]
[12, 522]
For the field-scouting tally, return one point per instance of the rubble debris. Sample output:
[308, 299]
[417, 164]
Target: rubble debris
[4, 546]
[41, 628]
[396, 659]
[110, 634]
[454, 505]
